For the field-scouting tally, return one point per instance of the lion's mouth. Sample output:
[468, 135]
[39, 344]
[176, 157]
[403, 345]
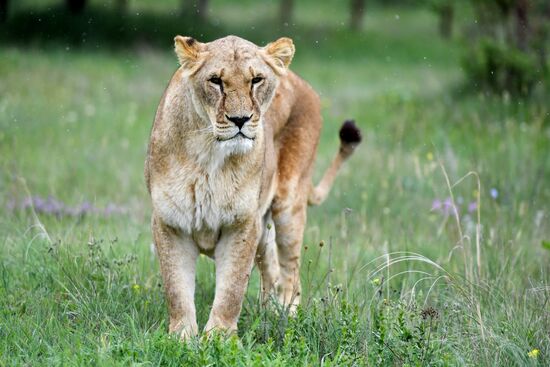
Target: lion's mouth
[239, 134]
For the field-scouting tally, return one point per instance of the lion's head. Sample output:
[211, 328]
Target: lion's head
[233, 82]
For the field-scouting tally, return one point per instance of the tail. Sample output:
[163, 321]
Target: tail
[350, 137]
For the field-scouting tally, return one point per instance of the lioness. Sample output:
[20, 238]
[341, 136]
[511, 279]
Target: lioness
[229, 170]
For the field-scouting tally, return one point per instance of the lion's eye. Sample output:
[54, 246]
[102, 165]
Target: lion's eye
[257, 79]
[215, 80]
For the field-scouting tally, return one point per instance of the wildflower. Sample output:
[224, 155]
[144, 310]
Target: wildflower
[430, 156]
[445, 207]
[136, 288]
[55, 207]
[534, 353]
[448, 206]
[376, 281]
[436, 204]
[472, 207]
[494, 193]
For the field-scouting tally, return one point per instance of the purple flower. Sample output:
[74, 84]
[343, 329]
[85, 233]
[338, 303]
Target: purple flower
[85, 208]
[445, 207]
[53, 206]
[494, 193]
[472, 207]
[436, 204]
[448, 206]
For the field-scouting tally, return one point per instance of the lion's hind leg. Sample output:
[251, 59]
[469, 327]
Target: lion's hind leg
[290, 222]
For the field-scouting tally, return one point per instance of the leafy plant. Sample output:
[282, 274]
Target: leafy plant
[507, 45]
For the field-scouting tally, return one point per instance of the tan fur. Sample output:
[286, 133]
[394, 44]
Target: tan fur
[236, 198]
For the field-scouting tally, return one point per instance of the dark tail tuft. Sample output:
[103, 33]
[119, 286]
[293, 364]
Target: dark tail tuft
[350, 137]
[349, 133]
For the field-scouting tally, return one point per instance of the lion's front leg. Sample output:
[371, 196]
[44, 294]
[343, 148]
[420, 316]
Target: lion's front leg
[178, 256]
[234, 256]
[267, 259]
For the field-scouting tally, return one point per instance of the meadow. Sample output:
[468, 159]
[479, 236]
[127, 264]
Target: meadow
[433, 249]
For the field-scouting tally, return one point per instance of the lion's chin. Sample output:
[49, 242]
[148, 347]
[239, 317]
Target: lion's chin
[236, 145]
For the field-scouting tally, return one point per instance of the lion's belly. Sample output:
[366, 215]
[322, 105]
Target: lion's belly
[201, 206]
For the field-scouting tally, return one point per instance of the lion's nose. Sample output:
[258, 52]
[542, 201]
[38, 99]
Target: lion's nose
[239, 121]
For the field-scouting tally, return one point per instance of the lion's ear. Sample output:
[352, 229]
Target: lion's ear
[189, 52]
[279, 54]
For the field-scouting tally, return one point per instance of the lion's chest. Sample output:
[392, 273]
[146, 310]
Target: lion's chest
[201, 204]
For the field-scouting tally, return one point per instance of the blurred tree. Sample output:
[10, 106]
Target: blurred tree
[3, 10]
[198, 7]
[75, 6]
[122, 6]
[357, 11]
[542, 35]
[522, 23]
[509, 49]
[285, 11]
[445, 10]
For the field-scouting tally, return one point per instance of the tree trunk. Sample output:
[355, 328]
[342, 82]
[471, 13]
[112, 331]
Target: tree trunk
[542, 52]
[75, 6]
[285, 13]
[522, 24]
[357, 10]
[122, 6]
[446, 18]
[3, 10]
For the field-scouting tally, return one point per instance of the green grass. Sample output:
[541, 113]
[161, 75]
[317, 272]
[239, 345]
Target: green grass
[395, 283]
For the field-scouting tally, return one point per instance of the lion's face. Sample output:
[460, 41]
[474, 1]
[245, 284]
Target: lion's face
[233, 82]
